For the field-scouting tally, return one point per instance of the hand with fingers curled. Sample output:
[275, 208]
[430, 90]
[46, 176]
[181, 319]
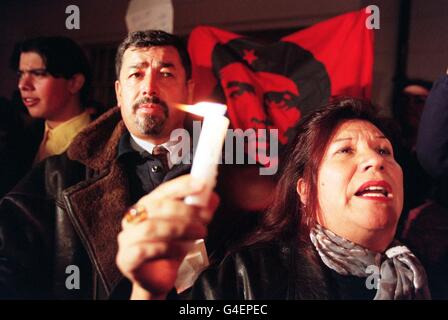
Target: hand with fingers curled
[157, 233]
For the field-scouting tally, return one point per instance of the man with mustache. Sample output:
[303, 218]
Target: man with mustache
[150, 124]
[60, 224]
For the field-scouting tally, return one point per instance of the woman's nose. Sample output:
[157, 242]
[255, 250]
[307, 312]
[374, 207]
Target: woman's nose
[372, 160]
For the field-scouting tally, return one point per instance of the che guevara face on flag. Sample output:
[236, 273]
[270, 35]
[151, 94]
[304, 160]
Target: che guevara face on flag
[271, 86]
[268, 86]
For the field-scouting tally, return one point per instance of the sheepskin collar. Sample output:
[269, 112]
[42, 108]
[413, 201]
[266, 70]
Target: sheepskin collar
[96, 205]
[96, 146]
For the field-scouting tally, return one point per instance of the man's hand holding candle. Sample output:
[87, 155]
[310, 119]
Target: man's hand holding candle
[154, 241]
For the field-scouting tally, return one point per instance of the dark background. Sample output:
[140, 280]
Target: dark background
[412, 40]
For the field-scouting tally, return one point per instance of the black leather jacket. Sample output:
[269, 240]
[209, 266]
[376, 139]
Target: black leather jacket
[37, 239]
[67, 212]
[265, 272]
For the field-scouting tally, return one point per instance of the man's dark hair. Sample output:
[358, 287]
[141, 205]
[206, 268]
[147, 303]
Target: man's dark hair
[63, 58]
[153, 38]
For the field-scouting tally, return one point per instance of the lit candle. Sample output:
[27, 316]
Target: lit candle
[159, 273]
[208, 151]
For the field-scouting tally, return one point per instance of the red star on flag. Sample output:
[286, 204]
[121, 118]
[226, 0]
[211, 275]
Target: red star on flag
[249, 56]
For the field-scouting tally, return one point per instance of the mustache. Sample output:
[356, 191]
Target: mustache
[151, 100]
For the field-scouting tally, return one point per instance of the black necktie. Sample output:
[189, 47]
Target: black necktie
[161, 153]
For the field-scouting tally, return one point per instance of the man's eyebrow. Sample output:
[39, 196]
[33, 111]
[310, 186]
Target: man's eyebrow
[167, 65]
[139, 65]
[32, 70]
[145, 64]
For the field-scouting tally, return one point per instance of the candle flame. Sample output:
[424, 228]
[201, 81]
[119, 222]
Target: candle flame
[203, 108]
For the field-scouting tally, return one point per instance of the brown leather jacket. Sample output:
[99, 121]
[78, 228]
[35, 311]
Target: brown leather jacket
[68, 211]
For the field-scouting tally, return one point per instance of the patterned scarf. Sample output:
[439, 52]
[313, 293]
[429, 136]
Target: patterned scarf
[396, 274]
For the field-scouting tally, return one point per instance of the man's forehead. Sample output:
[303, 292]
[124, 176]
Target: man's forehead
[31, 59]
[268, 81]
[155, 54]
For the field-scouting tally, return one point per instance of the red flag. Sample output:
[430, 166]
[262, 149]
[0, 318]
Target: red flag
[268, 86]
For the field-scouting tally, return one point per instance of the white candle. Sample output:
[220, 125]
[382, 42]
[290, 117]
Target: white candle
[208, 151]
[204, 168]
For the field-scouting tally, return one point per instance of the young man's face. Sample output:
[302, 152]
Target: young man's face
[151, 81]
[44, 95]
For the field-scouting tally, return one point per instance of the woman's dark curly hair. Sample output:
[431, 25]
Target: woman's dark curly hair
[287, 218]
